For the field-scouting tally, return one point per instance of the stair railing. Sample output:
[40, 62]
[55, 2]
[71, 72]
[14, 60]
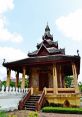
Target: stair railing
[23, 101]
[40, 101]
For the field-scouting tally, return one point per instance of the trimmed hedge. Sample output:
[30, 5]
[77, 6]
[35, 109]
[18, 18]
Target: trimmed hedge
[62, 110]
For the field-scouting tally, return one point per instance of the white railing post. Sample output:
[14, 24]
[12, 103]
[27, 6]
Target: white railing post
[7, 89]
[3, 88]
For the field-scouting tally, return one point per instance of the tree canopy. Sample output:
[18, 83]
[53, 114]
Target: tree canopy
[68, 81]
[12, 83]
[80, 86]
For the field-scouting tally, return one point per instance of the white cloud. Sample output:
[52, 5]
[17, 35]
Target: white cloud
[71, 25]
[5, 34]
[10, 54]
[6, 5]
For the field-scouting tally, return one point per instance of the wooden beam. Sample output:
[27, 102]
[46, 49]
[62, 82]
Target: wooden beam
[8, 77]
[55, 85]
[17, 79]
[75, 77]
[23, 78]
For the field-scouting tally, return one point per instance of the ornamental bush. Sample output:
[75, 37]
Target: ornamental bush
[33, 114]
[62, 110]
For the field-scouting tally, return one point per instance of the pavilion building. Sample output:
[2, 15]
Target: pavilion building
[48, 67]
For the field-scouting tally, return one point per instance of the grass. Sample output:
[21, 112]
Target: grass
[3, 114]
[62, 110]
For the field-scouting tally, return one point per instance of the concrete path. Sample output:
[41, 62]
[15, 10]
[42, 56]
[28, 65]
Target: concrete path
[24, 113]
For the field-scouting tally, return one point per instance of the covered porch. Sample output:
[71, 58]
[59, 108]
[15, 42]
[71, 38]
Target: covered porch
[49, 76]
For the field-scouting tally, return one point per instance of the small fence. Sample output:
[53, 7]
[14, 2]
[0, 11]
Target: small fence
[13, 90]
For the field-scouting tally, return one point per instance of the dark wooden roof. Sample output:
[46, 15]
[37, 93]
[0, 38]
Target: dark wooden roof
[47, 46]
[49, 42]
[44, 60]
[51, 51]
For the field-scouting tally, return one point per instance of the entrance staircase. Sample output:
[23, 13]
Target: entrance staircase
[30, 104]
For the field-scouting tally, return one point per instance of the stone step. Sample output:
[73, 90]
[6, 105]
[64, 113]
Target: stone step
[33, 109]
[32, 106]
[31, 102]
[28, 104]
[34, 97]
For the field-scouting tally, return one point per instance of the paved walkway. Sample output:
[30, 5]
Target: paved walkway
[24, 113]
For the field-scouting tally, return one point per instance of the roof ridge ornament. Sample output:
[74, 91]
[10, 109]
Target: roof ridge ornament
[47, 34]
[47, 27]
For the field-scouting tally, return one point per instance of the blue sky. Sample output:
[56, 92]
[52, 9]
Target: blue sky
[22, 24]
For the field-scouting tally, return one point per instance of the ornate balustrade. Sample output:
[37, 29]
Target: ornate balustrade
[13, 90]
[50, 91]
[66, 90]
[40, 101]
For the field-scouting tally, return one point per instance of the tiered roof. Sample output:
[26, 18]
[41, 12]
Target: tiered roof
[47, 46]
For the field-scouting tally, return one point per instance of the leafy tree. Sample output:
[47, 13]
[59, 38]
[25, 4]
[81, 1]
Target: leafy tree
[68, 81]
[12, 83]
[80, 86]
[4, 83]
[19, 83]
[26, 83]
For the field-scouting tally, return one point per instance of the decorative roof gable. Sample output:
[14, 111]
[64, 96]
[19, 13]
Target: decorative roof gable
[43, 51]
[48, 43]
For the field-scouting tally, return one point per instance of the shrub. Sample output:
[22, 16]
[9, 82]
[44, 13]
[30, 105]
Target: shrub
[33, 114]
[62, 110]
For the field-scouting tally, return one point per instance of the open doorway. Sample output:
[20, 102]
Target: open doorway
[43, 80]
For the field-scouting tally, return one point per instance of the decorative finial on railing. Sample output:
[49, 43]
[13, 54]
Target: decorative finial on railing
[4, 60]
[78, 52]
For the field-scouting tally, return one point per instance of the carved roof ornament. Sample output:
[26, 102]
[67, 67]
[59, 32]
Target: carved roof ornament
[47, 28]
[78, 52]
[47, 34]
